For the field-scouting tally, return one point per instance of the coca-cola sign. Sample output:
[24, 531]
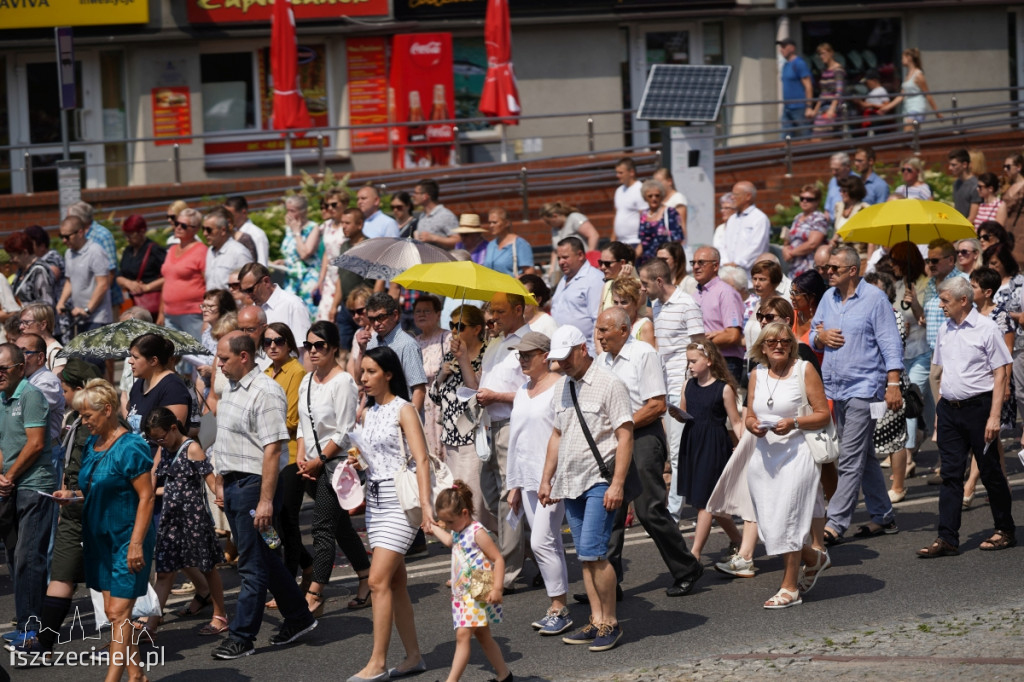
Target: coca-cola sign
[443, 133]
[426, 55]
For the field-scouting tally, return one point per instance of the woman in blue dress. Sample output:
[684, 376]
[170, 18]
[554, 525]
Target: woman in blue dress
[301, 251]
[117, 529]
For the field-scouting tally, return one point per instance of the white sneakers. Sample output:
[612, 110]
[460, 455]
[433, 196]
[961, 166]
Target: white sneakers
[736, 566]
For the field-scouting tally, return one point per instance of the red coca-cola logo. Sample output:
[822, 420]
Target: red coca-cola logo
[426, 55]
[440, 132]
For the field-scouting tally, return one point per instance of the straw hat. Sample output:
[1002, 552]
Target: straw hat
[469, 223]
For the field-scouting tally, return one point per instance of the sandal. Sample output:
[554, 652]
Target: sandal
[810, 574]
[358, 602]
[189, 612]
[1000, 540]
[210, 629]
[783, 599]
[142, 629]
[831, 539]
[320, 601]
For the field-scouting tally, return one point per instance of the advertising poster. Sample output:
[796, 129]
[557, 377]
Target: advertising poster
[367, 92]
[422, 91]
[172, 115]
[238, 11]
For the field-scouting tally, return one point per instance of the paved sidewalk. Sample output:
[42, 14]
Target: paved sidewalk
[970, 645]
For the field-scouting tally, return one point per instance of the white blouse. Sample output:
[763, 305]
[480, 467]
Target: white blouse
[334, 410]
[529, 431]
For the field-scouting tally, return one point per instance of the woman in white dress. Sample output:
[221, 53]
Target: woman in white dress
[333, 237]
[391, 428]
[530, 427]
[783, 478]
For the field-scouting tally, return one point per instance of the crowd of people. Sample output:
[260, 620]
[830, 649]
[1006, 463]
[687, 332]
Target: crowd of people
[630, 386]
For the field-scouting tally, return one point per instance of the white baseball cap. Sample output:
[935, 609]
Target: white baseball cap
[564, 340]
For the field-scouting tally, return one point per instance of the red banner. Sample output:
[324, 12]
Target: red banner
[172, 115]
[367, 92]
[422, 76]
[239, 11]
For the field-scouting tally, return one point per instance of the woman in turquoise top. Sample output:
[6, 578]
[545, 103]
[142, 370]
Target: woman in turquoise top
[507, 252]
[914, 95]
[301, 251]
[117, 530]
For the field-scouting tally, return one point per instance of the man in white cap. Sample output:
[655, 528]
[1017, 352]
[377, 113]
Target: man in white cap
[471, 237]
[587, 461]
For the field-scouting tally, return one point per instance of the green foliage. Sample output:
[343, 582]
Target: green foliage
[271, 219]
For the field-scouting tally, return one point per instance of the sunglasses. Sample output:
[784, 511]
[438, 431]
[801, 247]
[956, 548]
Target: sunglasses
[234, 285]
[803, 199]
[935, 261]
[356, 311]
[374, 319]
[4, 369]
[965, 252]
[836, 268]
[701, 263]
[457, 326]
[319, 346]
[986, 238]
[69, 235]
[171, 217]
[331, 204]
[249, 290]
[908, 169]
[490, 323]
[208, 230]
[398, 207]
[184, 226]
[1007, 166]
[606, 263]
[269, 341]
[766, 317]
[775, 343]
[248, 330]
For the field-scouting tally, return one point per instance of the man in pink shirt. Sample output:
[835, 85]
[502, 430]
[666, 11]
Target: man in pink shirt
[721, 307]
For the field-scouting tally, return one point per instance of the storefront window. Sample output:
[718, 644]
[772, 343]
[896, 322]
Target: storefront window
[5, 132]
[470, 66]
[714, 48]
[859, 45]
[228, 92]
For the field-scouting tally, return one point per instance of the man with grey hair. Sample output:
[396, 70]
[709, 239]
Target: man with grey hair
[839, 164]
[747, 230]
[100, 235]
[974, 359]
[225, 253]
[86, 294]
[863, 359]
[252, 322]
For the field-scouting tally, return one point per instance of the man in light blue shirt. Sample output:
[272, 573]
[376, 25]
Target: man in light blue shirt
[839, 164]
[862, 365]
[376, 223]
[877, 188]
[578, 294]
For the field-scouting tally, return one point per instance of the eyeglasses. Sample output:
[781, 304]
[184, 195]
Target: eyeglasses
[526, 356]
[653, 196]
[457, 326]
[398, 207]
[171, 217]
[25, 323]
[210, 307]
[796, 292]
[766, 317]
[1007, 166]
[69, 235]
[249, 330]
[986, 238]
[184, 226]
[248, 291]
[606, 263]
[269, 341]
[490, 323]
[776, 343]
[701, 263]
[356, 311]
[908, 169]
[803, 199]
[4, 369]
[208, 230]
[234, 285]
[835, 268]
[332, 204]
[935, 261]
[374, 319]
[965, 252]
[318, 346]
[30, 352]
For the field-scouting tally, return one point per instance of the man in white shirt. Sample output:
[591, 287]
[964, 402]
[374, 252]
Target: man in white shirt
[629, 204]
[678, 322]
[376, 223]
[637, 364]
[252, 322]
[747, 230]
[238, 207]
[500, 378]
[225, 253]
[279, 305]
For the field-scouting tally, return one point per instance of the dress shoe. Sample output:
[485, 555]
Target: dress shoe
[383, 677]
[420, 667]
[684, 586]
[938, 548]
[582, 598]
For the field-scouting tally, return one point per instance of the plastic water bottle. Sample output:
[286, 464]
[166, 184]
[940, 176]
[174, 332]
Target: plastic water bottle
[269, 535]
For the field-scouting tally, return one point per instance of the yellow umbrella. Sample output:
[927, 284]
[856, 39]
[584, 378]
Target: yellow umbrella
[461, 279]
[907, 220]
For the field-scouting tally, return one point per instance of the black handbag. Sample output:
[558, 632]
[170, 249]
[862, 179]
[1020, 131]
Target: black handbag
[632, 487]
[913, 401]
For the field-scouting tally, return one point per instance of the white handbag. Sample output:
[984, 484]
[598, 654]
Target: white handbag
[407, 486]
[823, 443]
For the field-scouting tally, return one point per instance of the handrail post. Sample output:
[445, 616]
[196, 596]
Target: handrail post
[458, 147]
[657, 159]
[504, 143]
[524, 187]
[590, 134]
[321, 161]
[789, 156]
[916, 142]
[176, 159]
[288, 153]
[956, 116]
[29, 181]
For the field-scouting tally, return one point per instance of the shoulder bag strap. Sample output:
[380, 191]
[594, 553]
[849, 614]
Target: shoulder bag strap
[601, 466]
[515, 258]
[309, 407]
[145, 257]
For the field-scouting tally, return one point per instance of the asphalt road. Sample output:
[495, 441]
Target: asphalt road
[872, 581]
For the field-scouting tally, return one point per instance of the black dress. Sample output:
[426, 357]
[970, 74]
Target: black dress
[705, 447]
[185, 536]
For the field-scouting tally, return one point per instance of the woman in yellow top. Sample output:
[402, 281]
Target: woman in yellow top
[287, 371]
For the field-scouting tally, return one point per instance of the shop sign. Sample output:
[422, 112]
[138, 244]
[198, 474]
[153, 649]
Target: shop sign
[238, 11]
[172, 115]
[367, 92]
[50, 13]
[422, 81]
[406, 10]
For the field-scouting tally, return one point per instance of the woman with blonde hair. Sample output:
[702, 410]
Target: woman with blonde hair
[625, 293]
[37, 318]
[914, 186]
[828, 110]
[914, 95]
[566, 221]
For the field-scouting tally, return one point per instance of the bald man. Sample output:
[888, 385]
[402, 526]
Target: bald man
[376, 223]
[746, 231]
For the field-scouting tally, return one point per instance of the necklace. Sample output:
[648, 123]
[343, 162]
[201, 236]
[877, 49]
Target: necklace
[771, 391]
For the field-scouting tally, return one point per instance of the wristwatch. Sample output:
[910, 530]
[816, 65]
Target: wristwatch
[323, 459]
[796, 423]
[87, 311]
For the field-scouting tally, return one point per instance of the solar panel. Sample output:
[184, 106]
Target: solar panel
[680, 92]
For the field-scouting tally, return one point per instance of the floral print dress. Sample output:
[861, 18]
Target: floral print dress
[656, 233]
[433, 350]
[466, 558]
[443, 394]
[800, 233]
[303, 275]
[185, 536]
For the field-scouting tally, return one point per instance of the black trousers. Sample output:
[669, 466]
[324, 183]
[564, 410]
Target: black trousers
[961, 430]
[332, 523]
[649, 455]
[292, 490]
